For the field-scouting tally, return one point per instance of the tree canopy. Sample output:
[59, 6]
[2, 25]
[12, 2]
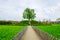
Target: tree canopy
[29, 14]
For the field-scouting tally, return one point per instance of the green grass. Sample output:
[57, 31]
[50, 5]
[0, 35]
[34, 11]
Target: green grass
[7, 32]
[51, 29]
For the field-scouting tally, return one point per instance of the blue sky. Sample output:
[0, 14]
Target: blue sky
[44, 9]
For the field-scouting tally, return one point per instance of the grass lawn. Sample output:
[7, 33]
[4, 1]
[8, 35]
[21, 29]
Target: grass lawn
[53, 29]
[7, 32]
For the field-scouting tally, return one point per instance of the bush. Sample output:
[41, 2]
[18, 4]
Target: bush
[5, 22]
[24, 23]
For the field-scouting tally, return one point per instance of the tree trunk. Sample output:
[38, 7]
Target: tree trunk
[29, 21]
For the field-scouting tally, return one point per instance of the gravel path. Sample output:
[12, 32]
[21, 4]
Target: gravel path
[30, 34]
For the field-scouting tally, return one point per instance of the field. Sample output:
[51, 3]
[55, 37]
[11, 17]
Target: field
[53, 29]
[7, 32]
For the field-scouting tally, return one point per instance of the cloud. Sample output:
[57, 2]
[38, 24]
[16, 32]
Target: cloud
[13, 9]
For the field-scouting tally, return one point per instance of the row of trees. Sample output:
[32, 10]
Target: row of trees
[24, 23]
[21, 23]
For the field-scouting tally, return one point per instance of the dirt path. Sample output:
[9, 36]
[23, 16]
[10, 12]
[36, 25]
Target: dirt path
[30, 34]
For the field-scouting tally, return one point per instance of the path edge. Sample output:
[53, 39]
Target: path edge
[19, 35]
[44, 35]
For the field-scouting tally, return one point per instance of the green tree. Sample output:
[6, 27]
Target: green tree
[29, 14]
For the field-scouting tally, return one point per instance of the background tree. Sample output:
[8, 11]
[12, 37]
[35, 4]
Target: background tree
[58, 19]
[29, 14]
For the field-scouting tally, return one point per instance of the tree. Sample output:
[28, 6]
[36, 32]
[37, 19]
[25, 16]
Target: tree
[58, 18]
[29, 14]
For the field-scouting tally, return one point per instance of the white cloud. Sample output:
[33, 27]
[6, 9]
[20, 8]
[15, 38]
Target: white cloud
[13, 9]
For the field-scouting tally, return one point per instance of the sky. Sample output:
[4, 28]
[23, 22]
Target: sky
[44, 9]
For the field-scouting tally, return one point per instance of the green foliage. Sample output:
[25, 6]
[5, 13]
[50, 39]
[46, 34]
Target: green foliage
[46, 23]
[33, 23]
[23, 23]
[9, 22]
[7, 32]
[5, 22]
[53, 29]
[28, 14]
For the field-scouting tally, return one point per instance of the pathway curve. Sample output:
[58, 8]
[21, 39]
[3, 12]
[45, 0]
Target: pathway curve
[30, 34]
